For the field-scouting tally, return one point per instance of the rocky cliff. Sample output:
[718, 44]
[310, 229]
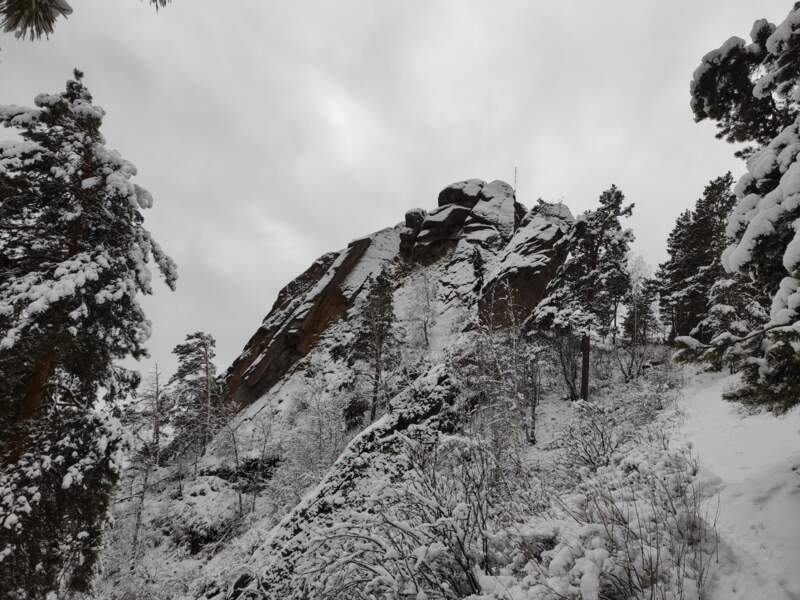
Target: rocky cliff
[303, 452]
[491, 256]
[479, 260]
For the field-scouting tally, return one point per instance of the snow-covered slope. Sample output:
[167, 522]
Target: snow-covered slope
[445, 266]
[754, 459]
[300, 485]
[301, 444]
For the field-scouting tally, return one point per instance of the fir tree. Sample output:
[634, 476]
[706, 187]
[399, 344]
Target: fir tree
[579, 296]
[706, 242]
[641, 324]
[73, 260]
[617, 283]
[751, 91]
[736, 309]
[672, 275]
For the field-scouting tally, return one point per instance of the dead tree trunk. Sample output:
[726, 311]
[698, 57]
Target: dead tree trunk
[139, 510]
[376, 385]
[585, 349]
[207, 431]
[156, 418]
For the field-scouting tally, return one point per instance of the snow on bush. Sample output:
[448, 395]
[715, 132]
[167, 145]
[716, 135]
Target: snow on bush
[631, 526]
[207, 511]
[450, 518]
[425, 536]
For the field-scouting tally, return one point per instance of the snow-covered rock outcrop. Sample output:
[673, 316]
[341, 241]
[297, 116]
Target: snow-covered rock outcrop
[478, 241]
[518, 280]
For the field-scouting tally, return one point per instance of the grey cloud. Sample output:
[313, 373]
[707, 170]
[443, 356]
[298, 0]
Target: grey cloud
[271, 132]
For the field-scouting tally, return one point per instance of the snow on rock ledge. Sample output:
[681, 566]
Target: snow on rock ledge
[464, 193]
[485, 213]
[303, 311]
[518, 280]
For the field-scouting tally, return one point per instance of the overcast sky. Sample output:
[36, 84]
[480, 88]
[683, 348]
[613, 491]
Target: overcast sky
[272, 132]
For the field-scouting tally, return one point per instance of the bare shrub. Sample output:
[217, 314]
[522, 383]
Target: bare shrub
[567, 351]
[656, 538]
[423, 537]
[593, 437]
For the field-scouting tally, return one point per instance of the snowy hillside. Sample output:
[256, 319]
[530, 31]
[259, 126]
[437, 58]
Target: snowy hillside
[476, 477]
[305, 383]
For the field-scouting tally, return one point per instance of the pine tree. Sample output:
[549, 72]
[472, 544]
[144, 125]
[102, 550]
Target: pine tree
[578, 298]
[617, 283]
[695, 246]
[751, 91]
[706, 242]
[37, 18]
[197, 391]
[75, 256]
[378, 337]
[747, 88]
[640, 324]
[672, 275]
[73, 260]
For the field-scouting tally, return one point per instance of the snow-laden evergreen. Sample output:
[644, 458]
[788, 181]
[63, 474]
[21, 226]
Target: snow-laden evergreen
[199, 412]
[695, 247]
[581, 297]
[76, 253]
[751, 90]
[74, 257]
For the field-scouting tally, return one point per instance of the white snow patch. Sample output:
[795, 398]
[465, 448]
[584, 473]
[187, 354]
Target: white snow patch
[757, 458]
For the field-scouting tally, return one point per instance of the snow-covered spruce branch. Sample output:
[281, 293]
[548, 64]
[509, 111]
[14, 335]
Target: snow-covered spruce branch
[687, 342]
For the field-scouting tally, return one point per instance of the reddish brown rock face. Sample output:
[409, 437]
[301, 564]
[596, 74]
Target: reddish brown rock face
[497, 258]
[304, 310]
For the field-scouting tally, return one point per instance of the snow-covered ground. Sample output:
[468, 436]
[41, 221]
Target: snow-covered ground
[755, 461]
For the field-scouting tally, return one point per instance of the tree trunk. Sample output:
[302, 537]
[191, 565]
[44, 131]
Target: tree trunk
[376, 383]
[534, 403]
[207, 432]
[46, 363]
[157, 420]
[34, 394]
[585, 348]
[139, 510]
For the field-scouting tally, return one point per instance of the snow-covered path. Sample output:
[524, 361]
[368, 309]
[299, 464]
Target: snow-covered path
[756, 461]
